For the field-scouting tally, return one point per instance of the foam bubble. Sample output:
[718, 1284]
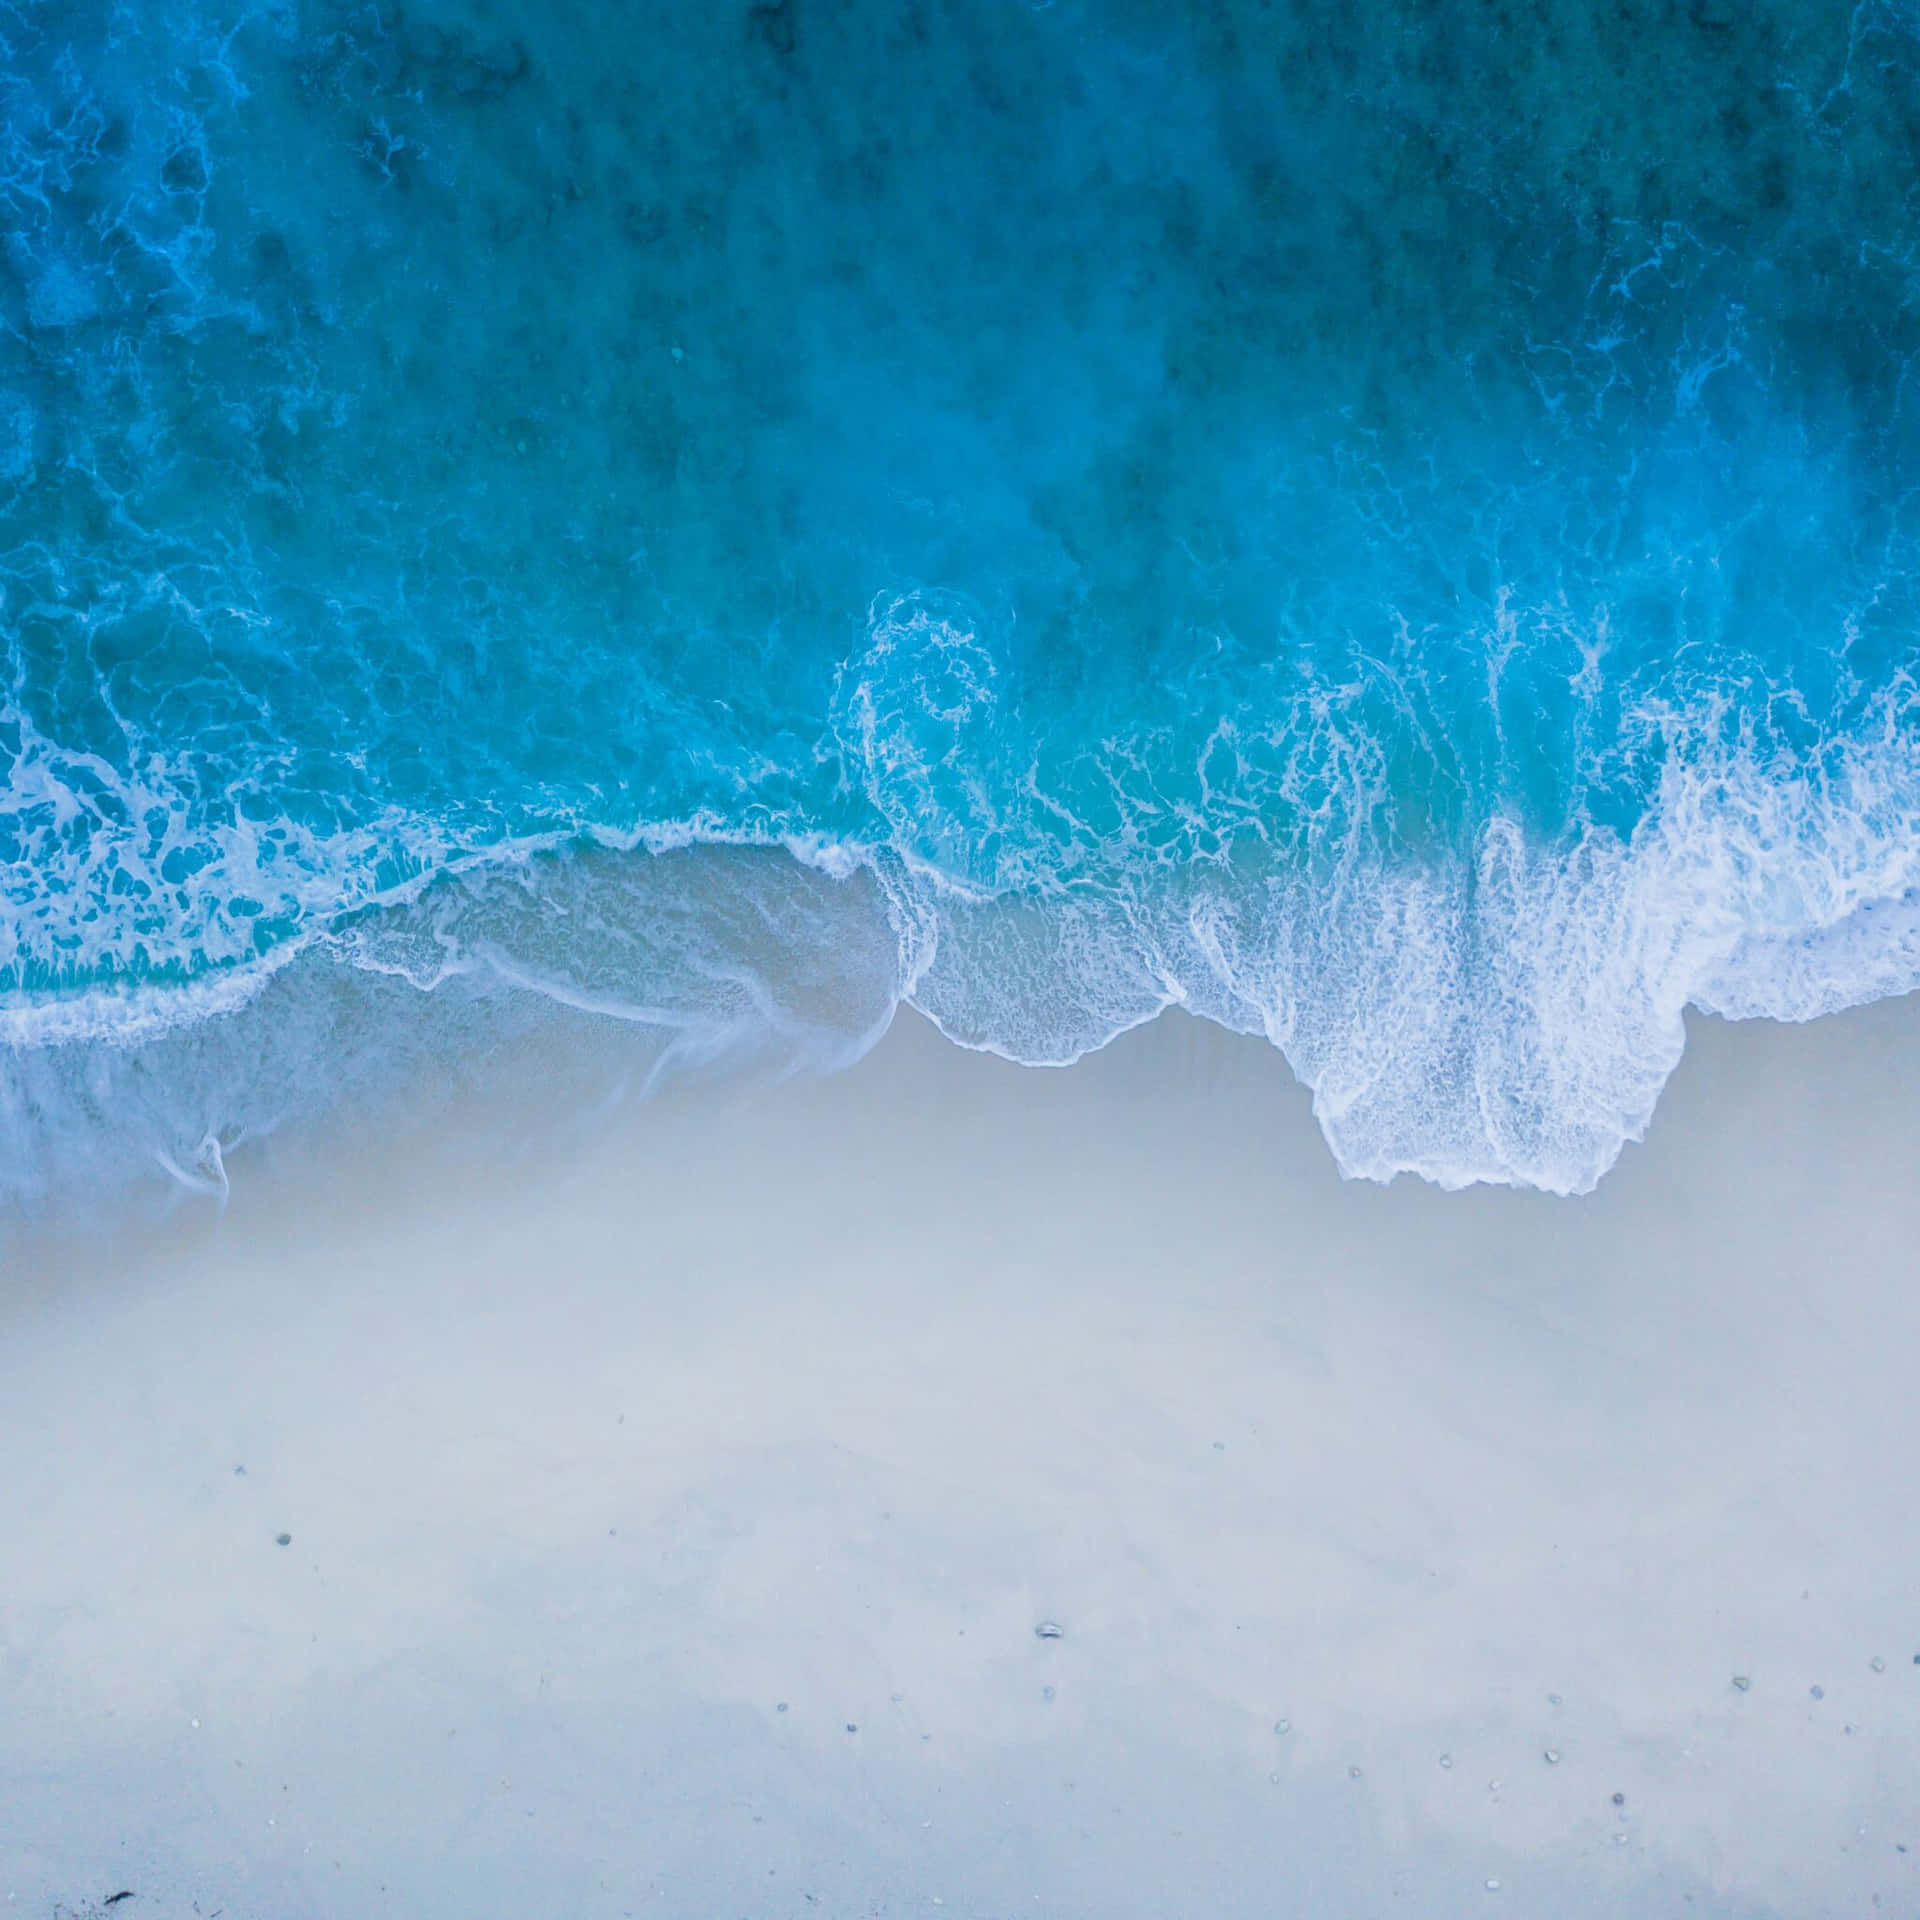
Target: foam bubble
[1507, 1011]
[714, 959]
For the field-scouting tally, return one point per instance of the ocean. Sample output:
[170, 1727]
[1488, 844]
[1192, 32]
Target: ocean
[1394, 527]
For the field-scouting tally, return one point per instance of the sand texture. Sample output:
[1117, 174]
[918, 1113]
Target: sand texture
[671, 1522]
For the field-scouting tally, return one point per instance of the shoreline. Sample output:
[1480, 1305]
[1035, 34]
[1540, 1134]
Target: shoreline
[830, 1393]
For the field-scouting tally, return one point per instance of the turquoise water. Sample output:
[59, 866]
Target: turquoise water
[1391, 526]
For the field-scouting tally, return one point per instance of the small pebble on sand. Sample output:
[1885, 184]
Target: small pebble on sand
[1819, 1693]
[1551, 1757]
[1049, 1630]
[1742, 1681]
[1619, 1799]
[283, 1539]
[1877, 1664]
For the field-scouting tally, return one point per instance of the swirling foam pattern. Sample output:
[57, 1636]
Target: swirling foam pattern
[1391, 526]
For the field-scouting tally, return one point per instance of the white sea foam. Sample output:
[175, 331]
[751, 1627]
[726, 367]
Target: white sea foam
[711, 958]
[1510, 1018]
[1506, 1010]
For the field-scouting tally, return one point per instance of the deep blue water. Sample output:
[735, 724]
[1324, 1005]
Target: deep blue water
[1389, 524]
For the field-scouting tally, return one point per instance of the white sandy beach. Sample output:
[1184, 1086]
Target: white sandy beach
[670, 1525]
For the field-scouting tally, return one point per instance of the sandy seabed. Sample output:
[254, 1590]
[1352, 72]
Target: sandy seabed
[669, 1522]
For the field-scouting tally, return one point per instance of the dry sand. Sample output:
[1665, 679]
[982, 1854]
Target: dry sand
[671, 1522]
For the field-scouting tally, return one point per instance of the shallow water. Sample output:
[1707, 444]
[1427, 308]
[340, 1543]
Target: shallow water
[1391, 527]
